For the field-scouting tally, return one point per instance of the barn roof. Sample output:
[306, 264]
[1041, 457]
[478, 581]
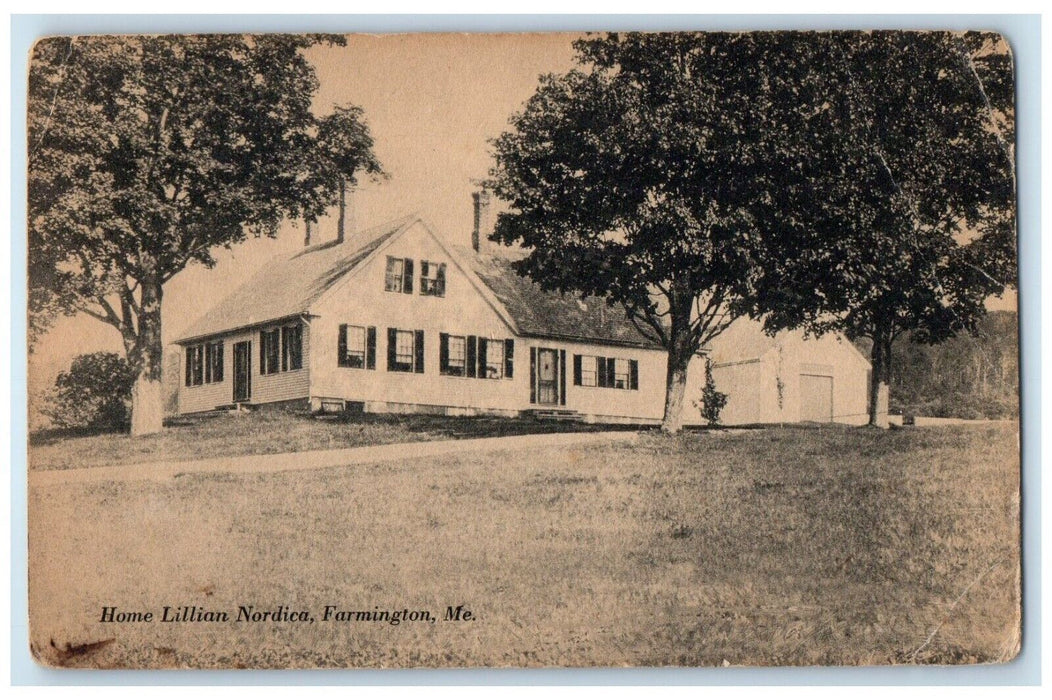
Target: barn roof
[288, 286]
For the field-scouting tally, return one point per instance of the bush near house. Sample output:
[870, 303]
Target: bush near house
[94, 394]
[712, 401]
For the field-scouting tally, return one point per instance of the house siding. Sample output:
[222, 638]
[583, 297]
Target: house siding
[282, 386]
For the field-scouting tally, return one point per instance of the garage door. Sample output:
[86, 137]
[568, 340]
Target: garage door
[816, 398]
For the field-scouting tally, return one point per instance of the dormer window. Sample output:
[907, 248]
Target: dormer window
[399, 275]
[432, 279]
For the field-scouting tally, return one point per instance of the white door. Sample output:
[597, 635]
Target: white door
[816, 398]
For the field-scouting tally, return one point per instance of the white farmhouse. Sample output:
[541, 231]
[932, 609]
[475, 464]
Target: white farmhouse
[394, 319]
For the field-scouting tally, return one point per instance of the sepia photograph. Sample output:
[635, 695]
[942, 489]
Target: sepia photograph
[549, 350]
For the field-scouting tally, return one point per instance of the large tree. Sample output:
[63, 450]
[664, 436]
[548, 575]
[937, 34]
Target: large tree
[650, 174]
[910, 222]
[147, 153]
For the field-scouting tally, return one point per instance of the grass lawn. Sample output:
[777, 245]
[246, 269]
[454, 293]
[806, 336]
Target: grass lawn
[269, 432]
[777, 546]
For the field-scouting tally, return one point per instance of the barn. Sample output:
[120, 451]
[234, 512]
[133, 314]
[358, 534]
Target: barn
[788, 378]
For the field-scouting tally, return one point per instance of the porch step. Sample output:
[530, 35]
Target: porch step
[233, 407]
[556, 414]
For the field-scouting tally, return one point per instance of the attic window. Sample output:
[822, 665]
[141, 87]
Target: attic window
[432, 279]
[399, 275]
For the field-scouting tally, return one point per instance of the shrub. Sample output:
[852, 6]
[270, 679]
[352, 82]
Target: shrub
[95, 393]
[712, 401]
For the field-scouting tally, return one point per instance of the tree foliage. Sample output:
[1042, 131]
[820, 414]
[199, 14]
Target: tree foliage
[95, 393]
[905, 222]
[851, 181]
[969, 376]
[147, 153]
[647, 176]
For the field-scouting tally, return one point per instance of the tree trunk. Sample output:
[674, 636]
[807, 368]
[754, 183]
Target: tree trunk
[879, 380]
[679, 356]
[148, 393]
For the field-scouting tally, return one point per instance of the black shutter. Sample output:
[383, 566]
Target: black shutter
[483, 344]
[440, 281]
[509, 358]
[469, 357]
[418, 347]
[262, 352]
[297, 347]
[370, 347]
[443, 353]
[407, 276]
[600, 371]
[189, 366]
[577, 370]
[392, 341]
[533, 375]
[218, 376]
[341, 346]
[562, 377]
[633, 374]
[286, 347]
[610, 367]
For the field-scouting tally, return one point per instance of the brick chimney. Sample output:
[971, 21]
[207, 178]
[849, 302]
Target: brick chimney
[483, 222]
[345, 220]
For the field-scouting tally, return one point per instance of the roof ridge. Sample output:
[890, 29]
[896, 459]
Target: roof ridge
[363, 237]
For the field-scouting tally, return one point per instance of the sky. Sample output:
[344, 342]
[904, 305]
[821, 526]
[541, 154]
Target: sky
[432, 102]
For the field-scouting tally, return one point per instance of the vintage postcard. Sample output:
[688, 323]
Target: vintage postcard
[523, 350]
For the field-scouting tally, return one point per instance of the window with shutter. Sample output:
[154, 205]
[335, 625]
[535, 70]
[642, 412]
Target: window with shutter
[452, 355]
[292, 348]
[432, 278]
[213, 362]
[605, 372]
[270, 351]
[405, 350]
[394, 275]
[353, 346]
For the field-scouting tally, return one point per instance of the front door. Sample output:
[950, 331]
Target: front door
[242, 371]
[547, 376]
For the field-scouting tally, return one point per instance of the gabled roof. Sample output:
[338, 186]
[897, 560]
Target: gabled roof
[288, 285]
[550, 314]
